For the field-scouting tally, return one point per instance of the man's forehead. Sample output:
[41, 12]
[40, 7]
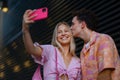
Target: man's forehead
[74, 19]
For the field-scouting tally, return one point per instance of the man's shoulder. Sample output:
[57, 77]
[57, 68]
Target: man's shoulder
[102, 37]
[105, 38]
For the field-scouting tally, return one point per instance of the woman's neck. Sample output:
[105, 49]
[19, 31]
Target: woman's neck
[65, 50]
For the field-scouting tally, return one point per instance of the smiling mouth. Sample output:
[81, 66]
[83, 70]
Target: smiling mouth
[64, 38]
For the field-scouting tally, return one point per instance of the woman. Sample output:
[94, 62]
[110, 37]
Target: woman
[59, 60]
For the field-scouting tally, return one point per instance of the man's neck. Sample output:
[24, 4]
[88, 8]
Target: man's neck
[87, 36]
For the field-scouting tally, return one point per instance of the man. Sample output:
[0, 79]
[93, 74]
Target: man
[99, 56]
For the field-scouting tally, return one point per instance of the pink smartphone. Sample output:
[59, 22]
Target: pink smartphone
[40, 13]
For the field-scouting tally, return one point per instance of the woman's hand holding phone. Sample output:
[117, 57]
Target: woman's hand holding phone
[34, 15]
[40, 14]
[27, 19]
[30, 16]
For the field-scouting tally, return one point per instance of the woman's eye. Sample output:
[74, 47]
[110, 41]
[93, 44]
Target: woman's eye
[59, 32]
[66, 31]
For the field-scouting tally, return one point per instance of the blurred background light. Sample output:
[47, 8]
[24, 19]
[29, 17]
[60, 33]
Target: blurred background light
[4, 6]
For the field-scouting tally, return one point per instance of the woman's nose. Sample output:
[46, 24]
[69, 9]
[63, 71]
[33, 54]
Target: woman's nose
[63, 33]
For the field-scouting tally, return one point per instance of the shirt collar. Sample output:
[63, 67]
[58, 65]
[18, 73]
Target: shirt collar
[93, 38]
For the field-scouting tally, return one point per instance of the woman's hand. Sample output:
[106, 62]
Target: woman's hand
[27, 19]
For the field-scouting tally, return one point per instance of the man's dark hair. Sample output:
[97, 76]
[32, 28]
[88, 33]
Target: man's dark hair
[88, 17]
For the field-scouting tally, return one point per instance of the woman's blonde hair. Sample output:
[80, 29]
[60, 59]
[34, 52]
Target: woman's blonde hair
[57, 44]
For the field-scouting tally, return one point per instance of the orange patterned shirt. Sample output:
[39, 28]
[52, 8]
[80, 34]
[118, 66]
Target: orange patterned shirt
[98, 54]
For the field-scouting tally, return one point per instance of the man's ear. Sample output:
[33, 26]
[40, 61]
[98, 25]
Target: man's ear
[83, 24]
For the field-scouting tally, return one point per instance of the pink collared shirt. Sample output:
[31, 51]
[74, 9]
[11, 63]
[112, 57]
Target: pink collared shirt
[98, 54]
[48, 61]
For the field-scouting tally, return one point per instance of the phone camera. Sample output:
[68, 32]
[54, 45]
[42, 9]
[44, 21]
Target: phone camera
[44, 10]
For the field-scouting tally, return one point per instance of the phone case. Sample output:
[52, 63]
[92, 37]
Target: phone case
[40, 13]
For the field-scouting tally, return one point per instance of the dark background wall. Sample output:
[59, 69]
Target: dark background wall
[13, 51]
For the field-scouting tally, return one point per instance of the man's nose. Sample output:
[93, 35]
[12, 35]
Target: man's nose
[70, 27]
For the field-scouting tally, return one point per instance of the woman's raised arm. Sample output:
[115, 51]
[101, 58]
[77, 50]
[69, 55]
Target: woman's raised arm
[31, 49]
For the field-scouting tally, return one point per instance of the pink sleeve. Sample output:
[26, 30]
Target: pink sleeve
[106, 54]
[46, 51]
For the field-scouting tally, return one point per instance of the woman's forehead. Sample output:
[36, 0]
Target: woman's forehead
[62, 26]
